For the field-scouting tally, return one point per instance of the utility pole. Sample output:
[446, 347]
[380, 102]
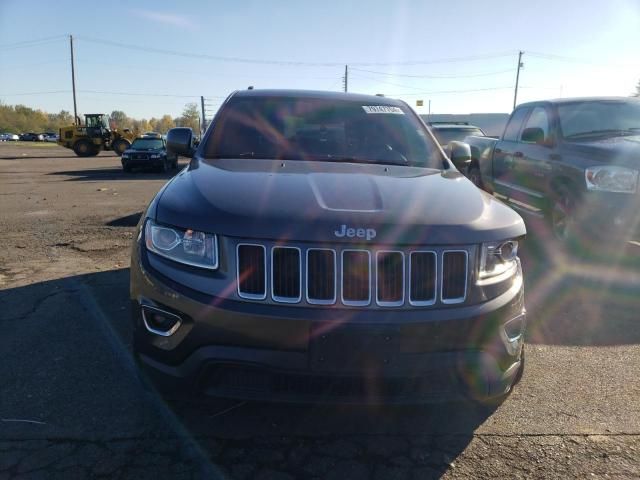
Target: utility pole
[203, 126]
[520, 65]
[345, 79]
[73, 83]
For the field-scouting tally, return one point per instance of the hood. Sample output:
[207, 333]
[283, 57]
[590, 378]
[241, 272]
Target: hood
[322, 202]
[624, 151]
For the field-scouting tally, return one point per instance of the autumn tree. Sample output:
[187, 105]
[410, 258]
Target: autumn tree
[164, 124]
[120, 119]
[190, 117]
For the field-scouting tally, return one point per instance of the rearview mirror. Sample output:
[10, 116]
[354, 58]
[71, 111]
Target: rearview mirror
[180, 141]
[460, 154]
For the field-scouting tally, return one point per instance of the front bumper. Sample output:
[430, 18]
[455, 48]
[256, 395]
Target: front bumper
[235, 349]
[143, 162]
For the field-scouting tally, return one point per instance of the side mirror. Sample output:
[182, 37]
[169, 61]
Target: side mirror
[460, 154]
[180, 141]
[533, 135]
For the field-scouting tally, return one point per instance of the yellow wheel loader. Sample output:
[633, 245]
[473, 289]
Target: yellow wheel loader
[87, 140]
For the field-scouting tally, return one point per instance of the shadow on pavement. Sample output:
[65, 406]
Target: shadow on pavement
[30, 156]
[126, 221]
[115, 173]
[72, 371]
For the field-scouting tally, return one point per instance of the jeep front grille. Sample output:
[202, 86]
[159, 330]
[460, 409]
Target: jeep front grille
[357, 277]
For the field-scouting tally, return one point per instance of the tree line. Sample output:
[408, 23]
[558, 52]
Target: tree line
[22, 119]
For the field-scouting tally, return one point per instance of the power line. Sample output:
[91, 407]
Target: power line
[288, 62]
[192, 72]
[33, 93]
[568, 59]
[451, 91]
[469, 75]
[140, 94]
[32, 43]
[358, 75]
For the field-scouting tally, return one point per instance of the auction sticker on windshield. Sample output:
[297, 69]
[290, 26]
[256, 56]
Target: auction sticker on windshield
[382, 109]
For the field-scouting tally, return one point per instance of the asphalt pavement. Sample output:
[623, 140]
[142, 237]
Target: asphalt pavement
[73, 405]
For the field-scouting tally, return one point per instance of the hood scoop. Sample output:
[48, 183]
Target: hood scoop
[346, 193]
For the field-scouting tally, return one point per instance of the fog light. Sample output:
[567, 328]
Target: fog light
[160, 322]
[514, 327]
[512, 334]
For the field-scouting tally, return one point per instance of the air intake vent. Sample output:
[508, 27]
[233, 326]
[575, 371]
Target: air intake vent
[423, 274]
[356, 277]
[454, 276]
[286, 274]
[252, 272]
[390, 278]
[321, 276]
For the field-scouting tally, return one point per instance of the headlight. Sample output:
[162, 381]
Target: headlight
[193, 248]
[610, 178]
[155, 156]
[124, 155]
[498, 258]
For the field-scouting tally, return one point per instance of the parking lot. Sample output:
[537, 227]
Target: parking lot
[73, 404]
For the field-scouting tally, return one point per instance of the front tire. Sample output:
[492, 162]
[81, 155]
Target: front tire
[83, 148]
[119, 146]
[564, 226]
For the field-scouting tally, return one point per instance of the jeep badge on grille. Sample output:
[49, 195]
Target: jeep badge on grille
[344, 231]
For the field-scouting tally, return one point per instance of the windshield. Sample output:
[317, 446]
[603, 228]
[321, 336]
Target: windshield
[583, 119]
[321, 130]
[147, 143]
[447, 135]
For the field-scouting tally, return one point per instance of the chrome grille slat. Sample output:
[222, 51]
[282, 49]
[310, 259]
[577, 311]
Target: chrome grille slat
[286, 274]
[251, 271]
[389, 278]
[356, 277]
[454, 266]
[423, 275]
[322, 272]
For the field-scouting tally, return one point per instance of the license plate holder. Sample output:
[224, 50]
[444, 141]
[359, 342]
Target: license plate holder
[353, 348]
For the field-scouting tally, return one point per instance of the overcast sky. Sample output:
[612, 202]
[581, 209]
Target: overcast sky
[461, 55]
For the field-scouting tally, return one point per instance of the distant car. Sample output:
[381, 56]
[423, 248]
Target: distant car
[148, 152]
[51, 137]
[447, 132]
[32, 137]
[11, 137]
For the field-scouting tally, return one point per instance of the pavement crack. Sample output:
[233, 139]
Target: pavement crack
[37, 304]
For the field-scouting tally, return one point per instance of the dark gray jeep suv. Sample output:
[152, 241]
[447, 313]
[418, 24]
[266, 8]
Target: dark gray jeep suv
[321, 247]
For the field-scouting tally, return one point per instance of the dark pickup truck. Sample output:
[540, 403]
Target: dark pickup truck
[574, 161]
